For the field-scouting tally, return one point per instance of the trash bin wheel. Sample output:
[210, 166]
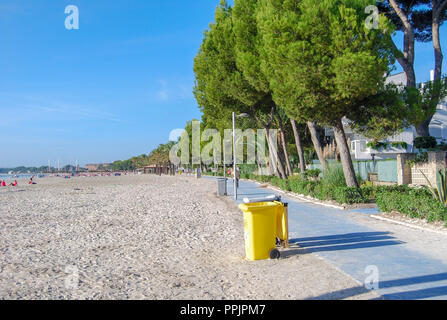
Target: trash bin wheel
[275, 254]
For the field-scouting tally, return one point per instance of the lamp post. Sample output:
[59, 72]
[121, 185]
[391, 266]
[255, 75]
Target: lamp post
[243, 115]
[225, 174]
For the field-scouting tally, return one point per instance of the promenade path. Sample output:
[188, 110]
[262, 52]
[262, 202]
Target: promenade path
[411, 263]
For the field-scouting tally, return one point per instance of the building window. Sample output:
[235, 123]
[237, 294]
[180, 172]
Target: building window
[363, 146]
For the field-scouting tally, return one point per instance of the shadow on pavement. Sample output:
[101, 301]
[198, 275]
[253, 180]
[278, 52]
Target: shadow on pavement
[425, 293]
[347, 241]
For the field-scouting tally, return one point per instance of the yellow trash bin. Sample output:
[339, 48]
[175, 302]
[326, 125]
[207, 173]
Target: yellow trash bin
[282, 225]
[260, 229]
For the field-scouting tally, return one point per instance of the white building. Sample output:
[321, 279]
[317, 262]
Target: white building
[359, 144]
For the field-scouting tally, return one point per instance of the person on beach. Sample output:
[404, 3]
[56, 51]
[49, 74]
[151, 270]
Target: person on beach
[3, 183]
[31, 180]
[237, 176]
[13, 184]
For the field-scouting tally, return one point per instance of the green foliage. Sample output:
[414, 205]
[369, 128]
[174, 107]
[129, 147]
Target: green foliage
[159, 155]
[334, 177]
[442, 146]
[349, 195]
[264, 178]
[376, 145]
[227, 77]
[247, 169]
[126, 165]
[440, 192]
[425, 142]
[314, 59]
[382, 115]
[416, 203]
[319, 56]
[399, 144]
[309, 156]
[442, 187]
[412, 202]
[368, 193]
[319, 189]
[421, 17]
[312, 173]
[420, 158]
[249, 176]
[422, 102]
[280, 183]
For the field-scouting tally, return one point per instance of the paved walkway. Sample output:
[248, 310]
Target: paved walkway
[412, 264]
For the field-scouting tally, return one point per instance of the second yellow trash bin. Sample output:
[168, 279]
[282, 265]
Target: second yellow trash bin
[282, 225]
[260, 229]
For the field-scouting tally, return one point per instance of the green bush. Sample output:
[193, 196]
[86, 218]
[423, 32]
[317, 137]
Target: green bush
[368, 192]
[247, 169]
[324, 192]
[312, 173]
[415, 203]
[334, 176]
[264, 178]
[349, 195]
[425, 142]
[298, 185]
[280, 183]
[249, 176]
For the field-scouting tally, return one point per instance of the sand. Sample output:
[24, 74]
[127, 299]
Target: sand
[144, 237]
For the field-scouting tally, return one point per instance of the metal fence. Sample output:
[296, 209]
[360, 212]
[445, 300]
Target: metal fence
[386, 170]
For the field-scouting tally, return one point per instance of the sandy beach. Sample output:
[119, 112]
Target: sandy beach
[143, 237]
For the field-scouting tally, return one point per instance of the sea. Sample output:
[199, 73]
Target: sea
[20, 176]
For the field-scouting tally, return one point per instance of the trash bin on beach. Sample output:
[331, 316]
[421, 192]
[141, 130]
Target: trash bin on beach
[282, 225]
[261, 220]
[221, 187]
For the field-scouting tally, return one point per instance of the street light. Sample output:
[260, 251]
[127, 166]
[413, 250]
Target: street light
[243, 115]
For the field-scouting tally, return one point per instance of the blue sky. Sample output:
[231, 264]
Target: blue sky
[113, 89]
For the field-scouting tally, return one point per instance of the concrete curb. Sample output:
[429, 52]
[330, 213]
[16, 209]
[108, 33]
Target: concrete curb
[409, 225]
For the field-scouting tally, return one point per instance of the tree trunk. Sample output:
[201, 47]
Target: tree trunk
[287, 165]
[282, 155]
[423, 130]
[437, 8]
[278, 164]
[273, 155]
[438, 51]
[282, 137]
[407, 62]
[317, 145]
[345, 155]
[299, 147]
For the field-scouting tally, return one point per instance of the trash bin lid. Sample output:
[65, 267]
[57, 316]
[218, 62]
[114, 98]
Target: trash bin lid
[269, 198]
[259, 206]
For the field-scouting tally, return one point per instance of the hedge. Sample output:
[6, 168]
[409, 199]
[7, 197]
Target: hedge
[415, 203]
[321, 191]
